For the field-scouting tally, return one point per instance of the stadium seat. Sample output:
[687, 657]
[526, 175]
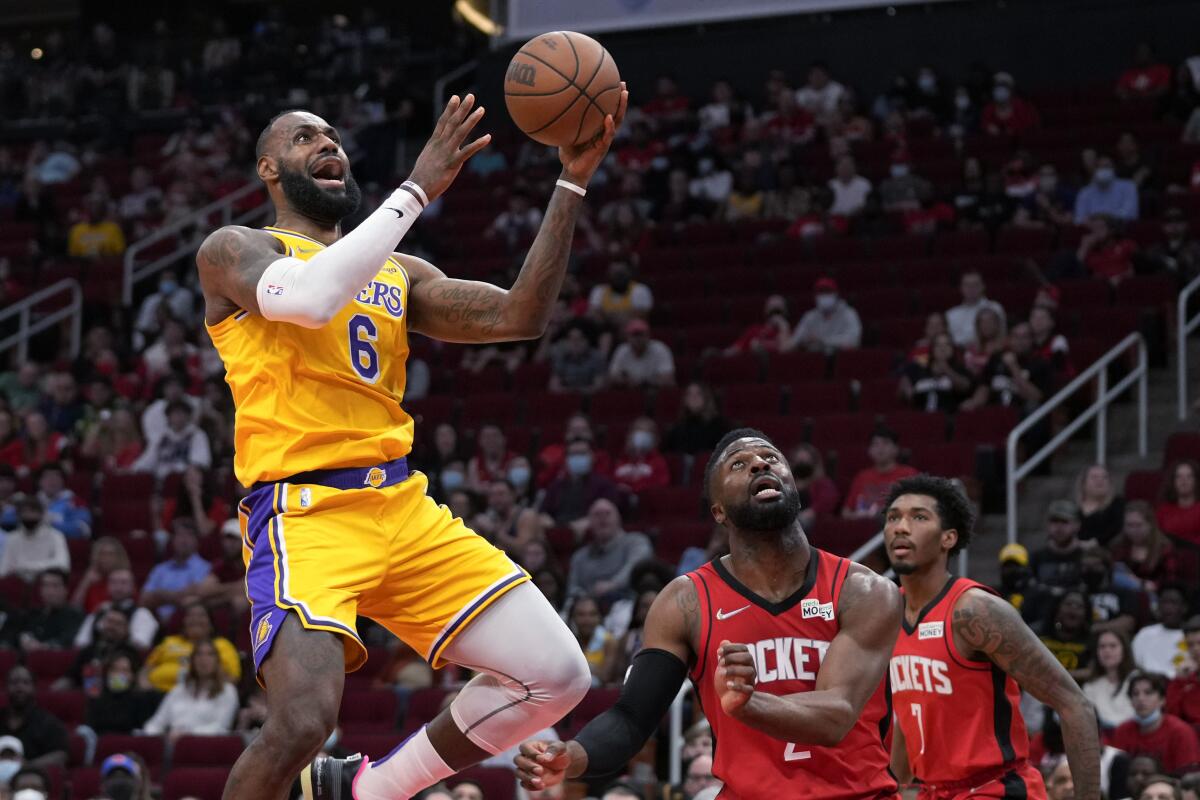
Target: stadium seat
[85, 782]
[48, 666]
[1181, 445]
[669, 502]
[1021, 241]
[865, 363]
[843, 536]
[1143, 484]
[369, 710]
[815, 398]
[961, 243]
[746, 400]
[985, 425]
[594, 703]
[68, 705]
[617, 404]
[14, 590]
[676, 535]
[150, 748]
[206, 751]
[953, 459]
[841, 430]
[917, 427]
[203, 783]
[743, 368]
[798, 365]
[1146, 291]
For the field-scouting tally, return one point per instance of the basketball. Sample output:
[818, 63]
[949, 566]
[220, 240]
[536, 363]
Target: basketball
[560, 86]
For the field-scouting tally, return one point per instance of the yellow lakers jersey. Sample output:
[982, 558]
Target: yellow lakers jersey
[320, 398]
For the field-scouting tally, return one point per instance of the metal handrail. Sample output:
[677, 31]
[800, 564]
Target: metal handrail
[439, 86]
[27, 327]
[133, 274]
[1184, 328]
[1098, 409]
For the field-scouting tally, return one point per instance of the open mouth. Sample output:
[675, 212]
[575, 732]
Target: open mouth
[766, 488]
[901, 548]
[329, 173]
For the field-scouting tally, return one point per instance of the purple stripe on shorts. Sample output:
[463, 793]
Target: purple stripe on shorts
[265, 617]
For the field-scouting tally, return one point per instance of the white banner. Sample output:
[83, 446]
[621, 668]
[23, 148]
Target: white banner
[528, 18]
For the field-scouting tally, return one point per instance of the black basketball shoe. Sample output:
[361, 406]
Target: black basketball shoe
[331, 778]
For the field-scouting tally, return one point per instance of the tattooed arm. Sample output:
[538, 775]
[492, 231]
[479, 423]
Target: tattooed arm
[987, 628]
[851, 671]
[231, 263]
[606, 743]
[473, 312]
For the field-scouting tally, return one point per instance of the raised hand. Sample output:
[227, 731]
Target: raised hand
[542, 764]
[444, 154]
[580, 161]
[735, 677]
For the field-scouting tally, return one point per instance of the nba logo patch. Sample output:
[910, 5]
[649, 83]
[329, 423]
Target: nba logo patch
[931, 630]
[375, 477]
[264, 631]
[274, 289]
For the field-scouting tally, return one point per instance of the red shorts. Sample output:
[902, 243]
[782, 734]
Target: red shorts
[1022, 782]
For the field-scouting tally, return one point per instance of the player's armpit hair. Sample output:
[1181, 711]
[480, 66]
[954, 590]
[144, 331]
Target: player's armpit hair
[616, 736]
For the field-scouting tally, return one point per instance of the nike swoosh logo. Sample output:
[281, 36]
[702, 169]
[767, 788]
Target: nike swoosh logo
[721, 615]
[399, 213]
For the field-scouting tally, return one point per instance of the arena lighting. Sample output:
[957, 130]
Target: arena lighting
[477, 19]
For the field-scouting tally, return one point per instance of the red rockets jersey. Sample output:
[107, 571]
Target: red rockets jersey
[787, 641]
[960, 717]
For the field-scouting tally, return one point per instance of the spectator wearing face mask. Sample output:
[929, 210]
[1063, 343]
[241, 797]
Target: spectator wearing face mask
[642, 466]
[1051, 202]
[903, 190]
[831, 326]
[568, 499]
[1154, 732]
[1007, 114]
[122, 778]
[850, 190]
[35, 546]
[819, 495]
[640, 361]
[120, 706]
[1106, 194]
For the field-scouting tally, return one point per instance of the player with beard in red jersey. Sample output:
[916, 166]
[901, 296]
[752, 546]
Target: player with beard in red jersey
[956, 667]
[787, 646]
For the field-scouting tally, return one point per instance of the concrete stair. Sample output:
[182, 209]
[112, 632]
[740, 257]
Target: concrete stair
[1036, 492]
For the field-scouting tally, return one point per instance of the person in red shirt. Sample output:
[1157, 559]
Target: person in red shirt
[1147, 78]
[1152, 731]
[1007, 115]
[871, 485]
[1105, 253]
[669, 106]
[639, 153]
[490, 462]
[552, 459]
[1183, 692]
[1178, 512]
[765, 336]
[40, 444]
[642, 466]
[960, 662]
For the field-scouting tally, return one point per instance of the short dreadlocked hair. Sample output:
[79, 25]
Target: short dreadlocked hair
[953, 508]
[714, 460]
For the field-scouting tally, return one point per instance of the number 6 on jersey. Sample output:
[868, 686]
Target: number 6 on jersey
[363, 355]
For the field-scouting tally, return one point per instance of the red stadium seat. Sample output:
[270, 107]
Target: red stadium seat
[879, 395]
[369, 710]
[1181, 445]
[918, 427]
[843, 536]
[150, 748]
[743, 368]
[203, 783]
[986, 425]
[593, 704]
[954, 459]
[676, 535]
[497, 783]
[617, 404]
[85, 782]
[864, 364]
[1085, 292]
[531, 377]
[1146, 291]
[1143, 484]
[206, 751]
[814, 398]
[14, 590]
[48, 666]
[798, 365]
[746, 400]
[423, 706]
[885, 303]
[1024, 241]
[961, 243]
[932, 299]
[551, 410]
[841, 430]
[669, 502]
[68, 705]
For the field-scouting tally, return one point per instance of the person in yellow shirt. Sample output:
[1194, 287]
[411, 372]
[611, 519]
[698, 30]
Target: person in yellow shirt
[96, 234]
[168, 661]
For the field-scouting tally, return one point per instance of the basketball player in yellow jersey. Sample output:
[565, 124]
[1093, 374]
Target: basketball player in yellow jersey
[312, 327]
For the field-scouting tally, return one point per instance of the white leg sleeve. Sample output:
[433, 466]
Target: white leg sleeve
[532, 671]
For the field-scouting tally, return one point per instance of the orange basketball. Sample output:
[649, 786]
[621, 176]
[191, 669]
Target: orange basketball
[560, 86]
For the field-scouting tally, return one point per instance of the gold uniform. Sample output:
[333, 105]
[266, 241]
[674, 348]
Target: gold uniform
[336, 525]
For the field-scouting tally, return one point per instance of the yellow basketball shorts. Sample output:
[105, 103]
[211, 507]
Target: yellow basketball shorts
[333, 544]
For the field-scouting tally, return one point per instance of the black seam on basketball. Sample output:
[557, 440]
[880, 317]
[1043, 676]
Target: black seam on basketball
[562, 75]
[560, 115]
[574, 52]
[591, 102]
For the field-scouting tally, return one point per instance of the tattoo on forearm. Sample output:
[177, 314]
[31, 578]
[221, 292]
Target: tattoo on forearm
[546, 264]
[1006, 640]
[470, 308]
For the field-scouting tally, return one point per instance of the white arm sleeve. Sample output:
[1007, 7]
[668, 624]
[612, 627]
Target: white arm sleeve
[334, 276]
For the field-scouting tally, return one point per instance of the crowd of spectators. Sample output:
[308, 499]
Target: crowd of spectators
[154, 616]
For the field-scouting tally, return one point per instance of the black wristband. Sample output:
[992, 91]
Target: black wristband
[613, 738]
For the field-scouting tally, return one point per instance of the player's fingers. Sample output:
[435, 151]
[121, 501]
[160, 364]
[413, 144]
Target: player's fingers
[463, 110]
[623, 105]
[464, 127]
[745, 673]
[447, 112]
[738, 658]
[471, 149]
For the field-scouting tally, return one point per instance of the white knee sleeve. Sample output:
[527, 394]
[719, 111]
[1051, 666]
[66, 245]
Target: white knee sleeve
[532, 671]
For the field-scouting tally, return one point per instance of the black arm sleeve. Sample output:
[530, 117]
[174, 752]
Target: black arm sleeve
[613, 738]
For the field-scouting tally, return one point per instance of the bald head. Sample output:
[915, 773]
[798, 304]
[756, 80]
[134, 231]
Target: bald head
[264, 139]
[306, 171]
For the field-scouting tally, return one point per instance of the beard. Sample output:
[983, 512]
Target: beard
[323, 205]
[904, 567]
[750, 516]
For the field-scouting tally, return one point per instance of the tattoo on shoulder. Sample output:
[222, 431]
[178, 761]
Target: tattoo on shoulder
[1000, 634]
[223, 249]
[687, 600]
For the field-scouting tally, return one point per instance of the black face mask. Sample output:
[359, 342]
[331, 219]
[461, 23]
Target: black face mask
[120, 787]
[1094, 580]
[312, 201]
[619, 284]
[31, 522]
[802, 470]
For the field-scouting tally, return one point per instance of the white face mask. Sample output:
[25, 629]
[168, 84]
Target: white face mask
[1104, 176]
[826, 301]
[962, 101]
[899, 170]
[927, 83]
[1001, 94]
[8, 768]
[642, 440]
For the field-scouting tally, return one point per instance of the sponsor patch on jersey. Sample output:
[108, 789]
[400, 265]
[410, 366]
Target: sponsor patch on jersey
[264, 631]
[815, 608]
[931, 630]
[305, 497]
[375, 477]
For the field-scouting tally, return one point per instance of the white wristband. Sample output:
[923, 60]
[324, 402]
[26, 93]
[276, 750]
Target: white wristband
[579, 190]
[418, 191]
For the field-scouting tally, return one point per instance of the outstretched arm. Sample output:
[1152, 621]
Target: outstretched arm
[610, 740]
[456, 310]
[987, 627]
[850, 673]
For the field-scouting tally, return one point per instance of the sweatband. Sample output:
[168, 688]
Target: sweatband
[616, 736]
[309, 293]
[571, 187]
